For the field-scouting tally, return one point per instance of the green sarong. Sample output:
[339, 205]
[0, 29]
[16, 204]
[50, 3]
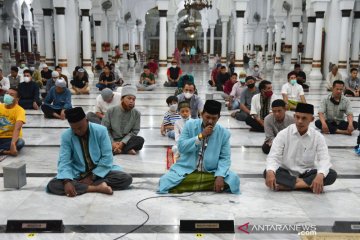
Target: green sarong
[292, 103]
[196, 182]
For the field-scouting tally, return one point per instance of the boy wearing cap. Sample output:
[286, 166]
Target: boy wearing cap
[57, 101]
[123, 124]
[45, 73]
[299, 157]
[104, 101]
[205, 157]
[85, 161]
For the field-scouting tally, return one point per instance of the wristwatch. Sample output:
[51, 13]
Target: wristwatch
[200, 136]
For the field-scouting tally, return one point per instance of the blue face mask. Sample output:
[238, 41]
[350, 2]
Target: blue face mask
[8, 99]
[293, 81]
[242, 80]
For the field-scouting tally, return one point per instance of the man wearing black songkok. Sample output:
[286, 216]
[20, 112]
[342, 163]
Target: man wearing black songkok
[299, 157]
[86, 161]
[205, 157]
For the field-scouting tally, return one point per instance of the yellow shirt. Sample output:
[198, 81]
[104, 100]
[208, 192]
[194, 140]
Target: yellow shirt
[8, 118]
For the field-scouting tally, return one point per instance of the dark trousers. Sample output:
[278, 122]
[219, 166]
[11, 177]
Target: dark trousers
[101, 86]
[266, 148]
[49, 111]
[284, 178]
[5, 144]
[117, 180]
[136, 143]
[349, 92]
[333, 126]
[256, 127]
[28, 103]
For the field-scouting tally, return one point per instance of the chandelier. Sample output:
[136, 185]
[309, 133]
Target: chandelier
[197, 4]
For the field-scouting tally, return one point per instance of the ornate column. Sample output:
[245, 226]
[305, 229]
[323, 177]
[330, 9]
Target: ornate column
[28, 28]
[18, 40]
[98, 40]
[121, 41]
[211, 61]
[141, 37]
[269, 64]
[162, 41]
[86, 41]
[309, 47]
[224, 21]
[170, 39]
[315, 73]
[48, 35]
[355, 41]
[39, 29]
[239, 41]
[12, 42]
[278, 28]
[295, 43]
[205, 30]
[343, 48]
[61, 38]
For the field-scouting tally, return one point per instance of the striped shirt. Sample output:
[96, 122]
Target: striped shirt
[170, 118]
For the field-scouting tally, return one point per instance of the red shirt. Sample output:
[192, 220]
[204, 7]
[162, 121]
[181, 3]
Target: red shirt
[214, 74]
[153, 67]
[228, 86]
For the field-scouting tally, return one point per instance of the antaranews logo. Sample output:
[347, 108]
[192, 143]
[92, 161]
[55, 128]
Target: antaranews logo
[300, 229]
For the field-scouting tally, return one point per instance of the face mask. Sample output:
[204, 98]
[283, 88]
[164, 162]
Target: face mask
[8, 99]
[293, 81]
[188, 95]
[26, 79]
[268, 94]
[185, 119]
[173, 66]
[251, 85]
[173, 107]
[256, 69]
[242, 80]
[22, 65]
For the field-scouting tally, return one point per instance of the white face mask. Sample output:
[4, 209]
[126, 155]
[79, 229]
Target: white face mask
[256, 69]
[26, 79]
[173, 66]
[188, 95]
[173, 107]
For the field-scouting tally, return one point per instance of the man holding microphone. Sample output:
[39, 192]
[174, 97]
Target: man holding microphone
[205, 157]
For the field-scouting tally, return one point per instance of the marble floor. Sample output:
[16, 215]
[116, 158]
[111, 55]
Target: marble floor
[96, 216]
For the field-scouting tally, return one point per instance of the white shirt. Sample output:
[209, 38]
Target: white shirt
[236, 90]
[297, 153]
[256, 104]
[5, 84]
[102, 106]
[331, 78]
[179, 125]
[292, 91]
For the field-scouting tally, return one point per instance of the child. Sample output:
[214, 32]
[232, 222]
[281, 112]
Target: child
[184, 110]
[170, 117]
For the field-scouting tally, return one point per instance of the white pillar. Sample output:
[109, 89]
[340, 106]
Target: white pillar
[295, 43]
[121, 41]
[48, 35]
[162, 41]
[39, 29]
[12, 43]
[28, 30]
[269, 64]
[309, 47]
[61, 38]
[18, 40]
[86, 41]
[315, 73]
[141, 38]
[239, 41]
[98, 40]
[205, 30]
[170, 39]
[355, 41]
[278, 46]
[211, 60]
[263, 42]
[224, 21]
[344, 34]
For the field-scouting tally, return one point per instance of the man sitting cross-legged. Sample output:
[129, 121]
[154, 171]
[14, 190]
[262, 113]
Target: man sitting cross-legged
[275, 122]
[332, 110]
[86, 161]
[123, 124]
[299, 157]
[205, 157]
